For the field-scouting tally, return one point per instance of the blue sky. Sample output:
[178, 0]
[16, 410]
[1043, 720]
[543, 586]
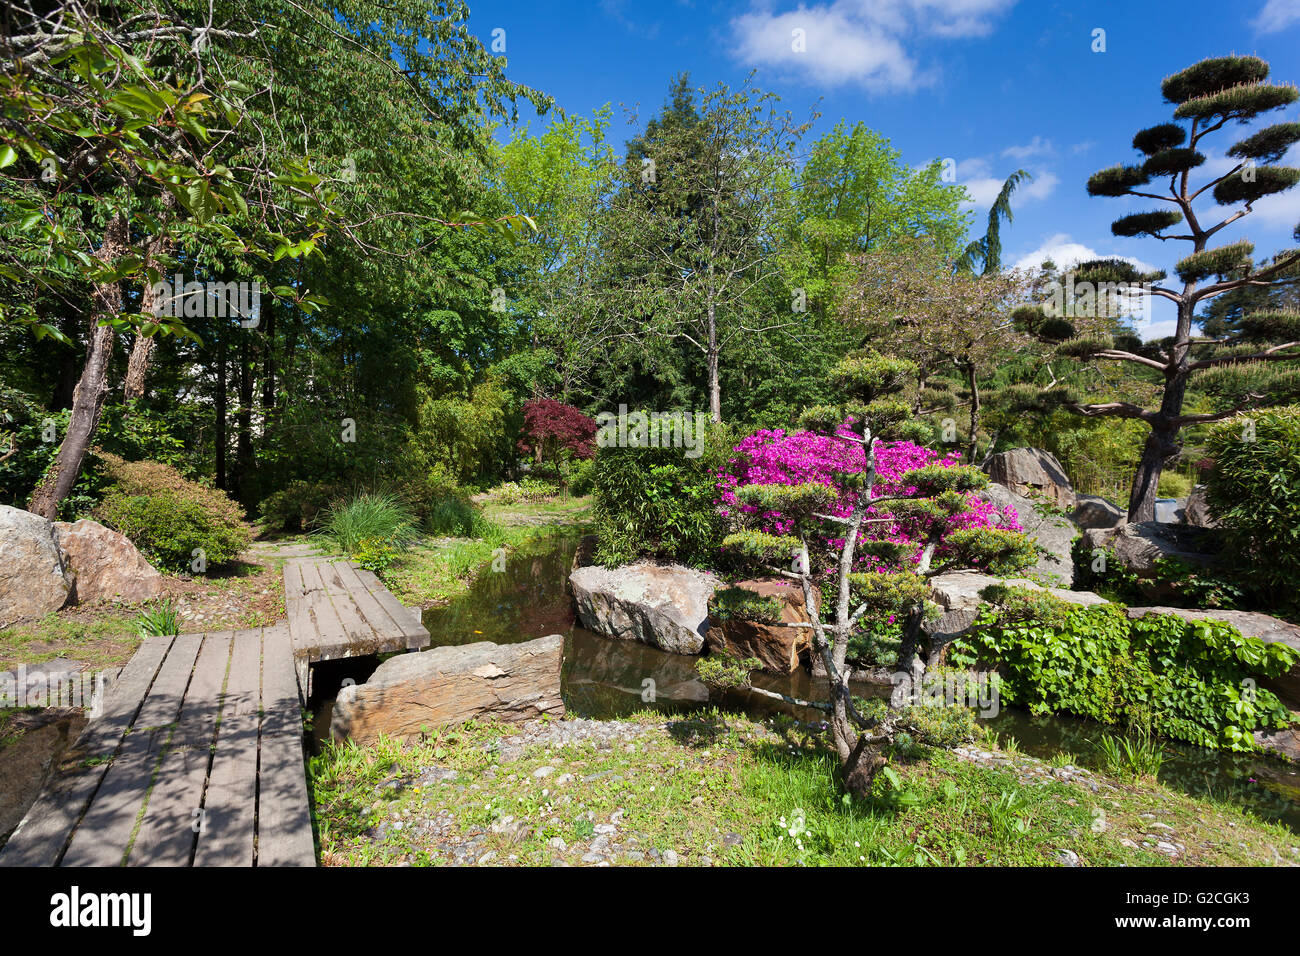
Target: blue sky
[991, 84]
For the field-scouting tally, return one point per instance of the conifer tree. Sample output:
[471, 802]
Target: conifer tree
[1247, 366]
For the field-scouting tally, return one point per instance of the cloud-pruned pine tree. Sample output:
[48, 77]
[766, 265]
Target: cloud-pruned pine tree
[1238, 371]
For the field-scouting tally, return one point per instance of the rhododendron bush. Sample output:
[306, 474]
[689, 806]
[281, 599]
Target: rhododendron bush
[778, 457]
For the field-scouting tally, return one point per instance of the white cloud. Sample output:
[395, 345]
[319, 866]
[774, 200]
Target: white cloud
[1277, 15]
[858, 41]
[1066, 253]
[983, 186]
[1035, 147]
[1282, 209]
[1040, 187]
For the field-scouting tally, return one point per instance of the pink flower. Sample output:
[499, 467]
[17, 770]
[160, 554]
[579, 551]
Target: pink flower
[778, 457]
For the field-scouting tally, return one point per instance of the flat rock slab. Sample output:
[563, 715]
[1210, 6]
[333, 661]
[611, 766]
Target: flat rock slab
[665, 606]
[445, 686]
[958, 593]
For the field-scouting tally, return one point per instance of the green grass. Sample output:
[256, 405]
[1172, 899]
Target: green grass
[369, 517]
[107, 638]
[433, 572]
[722, 789]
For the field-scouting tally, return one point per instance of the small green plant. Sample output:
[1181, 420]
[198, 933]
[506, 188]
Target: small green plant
[375, 554]
[369, 517]
[1134, 758]
[162, 620]
[743, 604]
[724, 672]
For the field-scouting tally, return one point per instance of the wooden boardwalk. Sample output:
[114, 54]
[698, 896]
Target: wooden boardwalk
[337, 609]
[195, 759]
[196, 756]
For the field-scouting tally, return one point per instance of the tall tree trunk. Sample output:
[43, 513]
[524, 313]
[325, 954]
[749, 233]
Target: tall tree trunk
[244, 419]
[92, 387]
[974, 414]
[1162, 445]
[715, 386]
[219, 409]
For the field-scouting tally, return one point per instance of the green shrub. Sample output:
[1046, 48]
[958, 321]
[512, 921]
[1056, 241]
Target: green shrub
[1254, 491]
[940, 724]
[370, 518]
[582, 477]
[658, 503]
[299, 505]
[375, 554]
[169, 518]
[458, 517]
[1196, 678]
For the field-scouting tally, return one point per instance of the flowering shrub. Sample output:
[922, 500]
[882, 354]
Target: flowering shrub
[777, 457]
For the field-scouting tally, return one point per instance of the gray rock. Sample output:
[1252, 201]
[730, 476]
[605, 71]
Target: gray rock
[1169, 510]
[1197, 510]
[1052, 532]
[663, 606]
[1032, 471]
[34, 579]
[105, 565]
[958, 594]
[1139, 545]
[446, 686]
[1093, 511]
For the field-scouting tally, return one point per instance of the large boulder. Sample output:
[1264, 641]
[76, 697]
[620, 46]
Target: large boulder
[958, 595]
[665, 606]
[777, 649]
[1251, 624]
[1052, 532]
[1034, 473]
[1197, 510]
[106, 565]
[1139, 545]
[1093, 511]
[409, 694]
[34, 577]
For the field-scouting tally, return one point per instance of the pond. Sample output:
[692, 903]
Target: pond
[605, 678]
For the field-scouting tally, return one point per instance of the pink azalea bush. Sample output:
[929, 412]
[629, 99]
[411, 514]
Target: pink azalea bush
[778, 457]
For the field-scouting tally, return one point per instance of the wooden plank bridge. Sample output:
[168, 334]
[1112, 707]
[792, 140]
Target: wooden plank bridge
[196, 755]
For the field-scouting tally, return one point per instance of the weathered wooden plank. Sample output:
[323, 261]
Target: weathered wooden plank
[284, 834]
[371, 610]
[168, 830]
[293, 586]
[40, 838]
[105, 831]
[227, 832]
